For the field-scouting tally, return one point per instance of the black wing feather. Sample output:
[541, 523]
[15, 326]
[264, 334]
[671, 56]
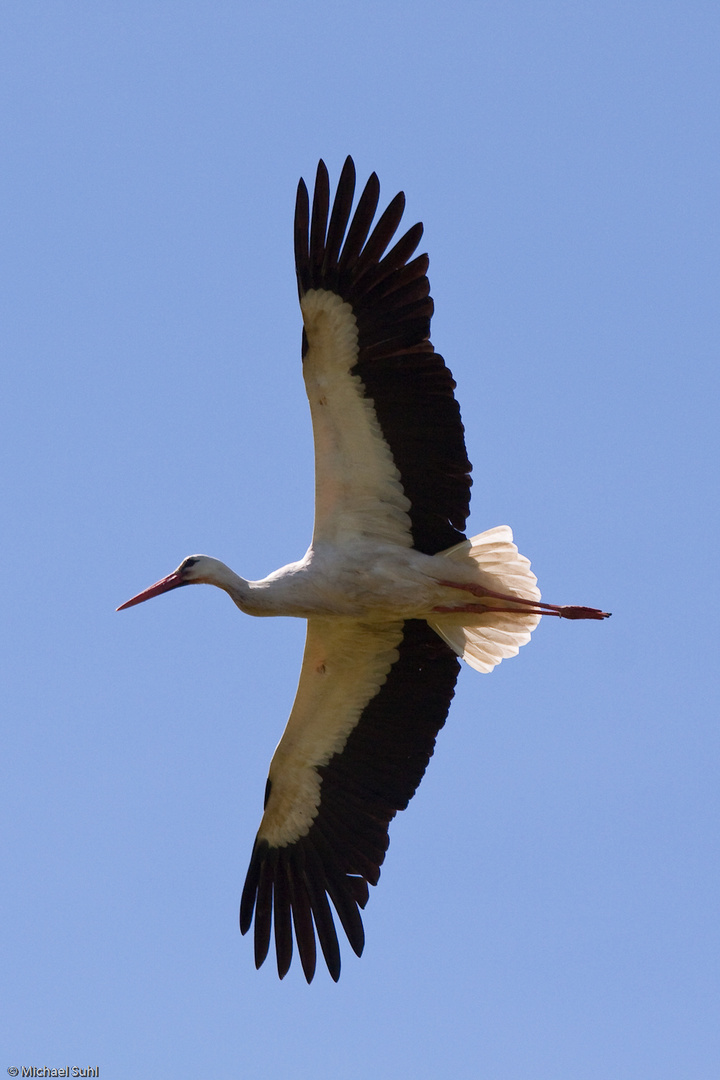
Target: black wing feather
[282, 916]
[359, 228]
[301, 910]
[300, 238]
[318, 222]
[338, 222]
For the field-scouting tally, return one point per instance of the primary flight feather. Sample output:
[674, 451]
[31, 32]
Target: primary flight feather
[392, 590]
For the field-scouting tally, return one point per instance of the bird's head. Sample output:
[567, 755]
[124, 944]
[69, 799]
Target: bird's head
[194, 570]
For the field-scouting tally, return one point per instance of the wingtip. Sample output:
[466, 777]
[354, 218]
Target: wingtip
[321, 174]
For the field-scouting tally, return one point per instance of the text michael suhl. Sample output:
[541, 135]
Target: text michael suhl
[69, 1070]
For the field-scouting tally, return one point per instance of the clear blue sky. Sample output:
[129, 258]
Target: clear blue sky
[549, 905]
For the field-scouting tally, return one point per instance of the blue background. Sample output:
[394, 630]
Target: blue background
[549, 905]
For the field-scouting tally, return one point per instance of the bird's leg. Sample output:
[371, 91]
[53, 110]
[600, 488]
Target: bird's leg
[530, 607]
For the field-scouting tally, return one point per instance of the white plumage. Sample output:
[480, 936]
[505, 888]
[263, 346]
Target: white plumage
[391, 588]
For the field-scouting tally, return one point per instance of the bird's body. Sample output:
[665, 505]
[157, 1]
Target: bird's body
[359, 580]
[391, 588]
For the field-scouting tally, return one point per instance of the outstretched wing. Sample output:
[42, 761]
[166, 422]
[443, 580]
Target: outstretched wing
[369, 704]
[390, 453]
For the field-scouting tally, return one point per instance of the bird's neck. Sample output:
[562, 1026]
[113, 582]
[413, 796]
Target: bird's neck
[252, 597]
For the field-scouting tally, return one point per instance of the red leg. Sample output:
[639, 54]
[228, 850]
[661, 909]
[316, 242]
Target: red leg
[532, 607]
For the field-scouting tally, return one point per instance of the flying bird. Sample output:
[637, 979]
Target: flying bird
[392, 590]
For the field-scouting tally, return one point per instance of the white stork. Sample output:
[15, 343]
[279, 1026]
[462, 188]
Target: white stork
[392, 590]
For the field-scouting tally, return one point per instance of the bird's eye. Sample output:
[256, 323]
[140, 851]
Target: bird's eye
[189, 562]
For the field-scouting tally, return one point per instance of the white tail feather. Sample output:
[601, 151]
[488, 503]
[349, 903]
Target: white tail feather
[486, 639]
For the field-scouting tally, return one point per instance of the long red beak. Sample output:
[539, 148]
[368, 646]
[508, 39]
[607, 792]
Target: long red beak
[172, 581]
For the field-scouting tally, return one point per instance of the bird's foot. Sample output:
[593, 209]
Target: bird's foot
[570, 612]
